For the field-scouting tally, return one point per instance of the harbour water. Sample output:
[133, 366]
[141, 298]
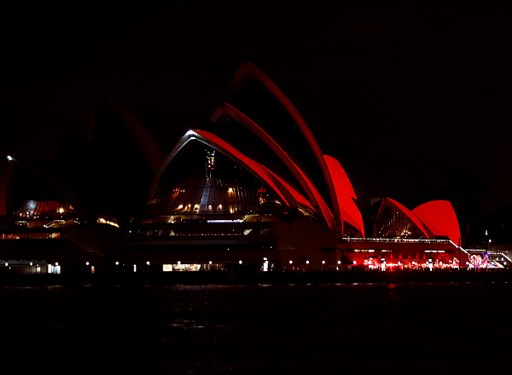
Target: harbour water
[305, 328]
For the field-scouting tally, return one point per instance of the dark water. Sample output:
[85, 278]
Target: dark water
[257, 329]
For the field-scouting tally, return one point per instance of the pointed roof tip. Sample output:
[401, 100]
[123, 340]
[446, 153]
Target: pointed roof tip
[248, 71]
[247, 65]
[245, 72]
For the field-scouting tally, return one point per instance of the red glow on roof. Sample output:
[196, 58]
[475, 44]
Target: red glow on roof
[408, 214]
[345, 194]
[440, 218]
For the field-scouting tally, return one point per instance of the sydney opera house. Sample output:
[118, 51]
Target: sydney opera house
[250, 189]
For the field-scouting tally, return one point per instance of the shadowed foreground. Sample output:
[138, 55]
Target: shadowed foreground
[257, 329]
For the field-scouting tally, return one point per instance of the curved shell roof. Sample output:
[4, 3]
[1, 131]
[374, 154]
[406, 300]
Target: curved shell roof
[300, 177]
[311, 180]
[433, 219]
[289, 195]
[292, 165]
[405, 214]
[439, 216]
[284, 124]
[345, 194]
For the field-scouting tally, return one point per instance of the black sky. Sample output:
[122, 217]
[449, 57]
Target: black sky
[412, 99]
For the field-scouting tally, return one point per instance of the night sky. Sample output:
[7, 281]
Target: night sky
[413, 100]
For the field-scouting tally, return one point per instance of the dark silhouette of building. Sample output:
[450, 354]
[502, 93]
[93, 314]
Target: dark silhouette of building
[250, 188]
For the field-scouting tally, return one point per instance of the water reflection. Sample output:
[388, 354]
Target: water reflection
[249, 329]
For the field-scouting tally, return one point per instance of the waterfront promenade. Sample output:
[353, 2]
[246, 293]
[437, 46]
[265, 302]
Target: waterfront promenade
[278, 277]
